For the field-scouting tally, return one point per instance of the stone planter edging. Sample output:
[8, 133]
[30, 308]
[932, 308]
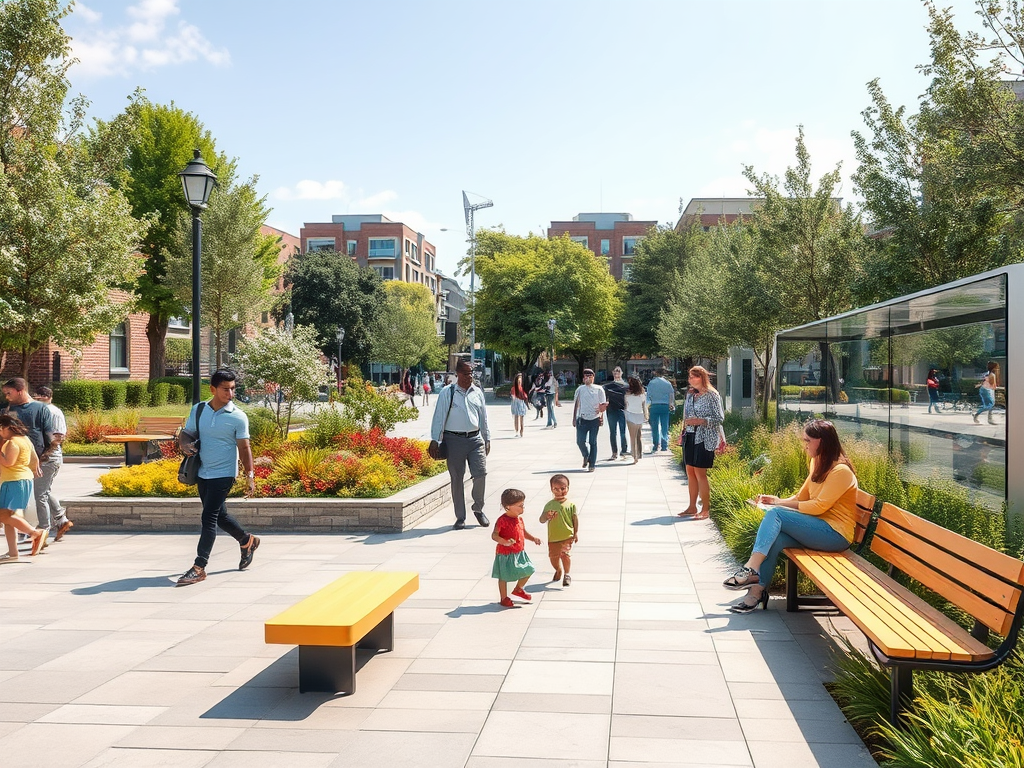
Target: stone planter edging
[393, 514]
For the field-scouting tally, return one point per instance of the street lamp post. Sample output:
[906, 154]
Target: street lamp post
[198, 182]
[551, 328]
[340, 334]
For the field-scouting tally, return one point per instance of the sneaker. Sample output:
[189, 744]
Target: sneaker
[613, 457]
[506, 602]
[522, 594]
[248, 551]
[64, 527]
[590, 468]
[193, 575]
[567, 580]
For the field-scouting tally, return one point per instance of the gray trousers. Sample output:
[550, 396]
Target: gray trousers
[49, 512]
[460, 451]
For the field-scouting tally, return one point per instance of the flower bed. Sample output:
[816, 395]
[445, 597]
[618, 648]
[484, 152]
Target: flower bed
[358, 464]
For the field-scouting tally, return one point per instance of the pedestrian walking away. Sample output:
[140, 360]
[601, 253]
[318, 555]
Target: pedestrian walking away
[18, 466]
[636, 415]
[563, 524]
[219, 432]
[587, 417]
[661, 397]
[460, 422]
[987, 392]
[933, 391]
[511, 563]
[615, 390]
[519, 405]
[43, 487]
[538, 395]
[425, 386]
[551, 398]
[821, 515]
[702, 417]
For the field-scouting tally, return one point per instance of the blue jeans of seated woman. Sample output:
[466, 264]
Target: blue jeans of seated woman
[783, 527]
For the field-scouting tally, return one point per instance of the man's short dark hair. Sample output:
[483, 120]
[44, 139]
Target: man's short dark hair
[18, 384]
[660, 372]
[221, 375]
[587, 372]
[463, 366]
[44, 392]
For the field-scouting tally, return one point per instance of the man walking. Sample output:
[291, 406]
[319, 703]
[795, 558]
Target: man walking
[615, 390]
[43, 487]
[662, 398]
[460, 421]
[37, 418]
[551, 396]
[588, 416]
[223, 434]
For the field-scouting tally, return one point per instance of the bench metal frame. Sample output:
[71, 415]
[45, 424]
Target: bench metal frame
[332, 668]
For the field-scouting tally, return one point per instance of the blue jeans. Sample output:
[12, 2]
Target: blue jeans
[988, 401]
[783, 527]
[552, 421]
[933, 400]
[617, 427]
[659, 425]
[586, 431]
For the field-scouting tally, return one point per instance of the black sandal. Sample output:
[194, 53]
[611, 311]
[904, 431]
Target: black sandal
[742, 579]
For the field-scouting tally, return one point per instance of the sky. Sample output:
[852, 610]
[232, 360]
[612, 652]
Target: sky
[547, 108]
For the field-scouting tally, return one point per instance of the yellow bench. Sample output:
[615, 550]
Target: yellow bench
[903, 631]
[356, 610]
[150, 428]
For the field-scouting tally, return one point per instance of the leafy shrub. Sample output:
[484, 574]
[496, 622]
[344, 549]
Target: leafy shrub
[78, 394]
[88, 427]
[372, 410]
[136, 394]
[790, 390]
[91, 449]
[504, 391]
[263, 432]
[330, 422]
[114, 394]
[175, 394]
[812, 393]
[154, 478]
[158, 393]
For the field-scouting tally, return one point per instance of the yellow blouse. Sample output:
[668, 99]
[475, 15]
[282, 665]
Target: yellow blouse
[22, 469]
[834, 499]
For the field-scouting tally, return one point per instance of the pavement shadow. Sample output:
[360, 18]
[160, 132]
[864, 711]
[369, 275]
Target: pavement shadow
[134, 584]
[415, 533]
[478, 610]
[661, 520]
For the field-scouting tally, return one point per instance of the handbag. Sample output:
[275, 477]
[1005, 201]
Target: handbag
[188, 470]
[437, 450]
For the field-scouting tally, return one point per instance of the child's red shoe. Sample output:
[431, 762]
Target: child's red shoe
[521, 593]
[506, 602]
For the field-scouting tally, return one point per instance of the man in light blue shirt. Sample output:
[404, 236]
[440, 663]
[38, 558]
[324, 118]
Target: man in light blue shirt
[460, 421]
[223, 431]
[662, 398]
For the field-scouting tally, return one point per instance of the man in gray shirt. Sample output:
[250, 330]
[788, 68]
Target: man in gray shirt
[460, 421]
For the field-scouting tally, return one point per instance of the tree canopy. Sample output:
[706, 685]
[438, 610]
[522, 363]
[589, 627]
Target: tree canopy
[405, 328]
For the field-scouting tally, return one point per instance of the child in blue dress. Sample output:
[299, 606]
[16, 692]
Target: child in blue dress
[511, 563]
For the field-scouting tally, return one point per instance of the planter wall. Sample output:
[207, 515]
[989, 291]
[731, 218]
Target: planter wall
[393, 514]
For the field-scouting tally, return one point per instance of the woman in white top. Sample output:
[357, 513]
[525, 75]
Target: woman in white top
[987, 392]
[636, 415]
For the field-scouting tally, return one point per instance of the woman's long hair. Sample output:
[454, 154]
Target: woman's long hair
[993, 368]
[705, 377]
[830, 450]
[14, 424]
[517, 387]
[635, 387]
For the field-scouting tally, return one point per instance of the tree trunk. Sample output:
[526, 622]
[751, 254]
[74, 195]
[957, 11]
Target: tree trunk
[829, 372]
[26, 356]
[156, 332]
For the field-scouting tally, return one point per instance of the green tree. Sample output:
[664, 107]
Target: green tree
[405, 328]
[238, 262]
[66, 239]
[292, 361]
[329, 290]
[161, 144]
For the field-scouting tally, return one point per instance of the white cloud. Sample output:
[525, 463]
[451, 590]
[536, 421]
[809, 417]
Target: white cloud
[87, 13]
[149, 42]
[307, 189]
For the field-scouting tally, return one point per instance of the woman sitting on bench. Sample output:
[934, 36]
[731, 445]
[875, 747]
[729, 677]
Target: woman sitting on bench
[821, 515]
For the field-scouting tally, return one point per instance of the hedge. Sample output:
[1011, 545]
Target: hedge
[136, 394]
[176, 394]
[83, 395]
[158, 393]
[114, 393]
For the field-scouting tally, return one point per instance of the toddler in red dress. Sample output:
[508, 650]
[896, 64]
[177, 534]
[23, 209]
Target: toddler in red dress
[511, 563]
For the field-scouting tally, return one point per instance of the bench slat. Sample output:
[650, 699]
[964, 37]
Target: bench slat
[946, 565]
[344, 611]
[898, 622]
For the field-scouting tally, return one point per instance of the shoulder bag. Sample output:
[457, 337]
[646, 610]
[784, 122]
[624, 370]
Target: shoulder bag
[188, 471]
[438, 450]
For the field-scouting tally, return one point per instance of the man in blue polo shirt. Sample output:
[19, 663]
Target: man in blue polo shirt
[661, 396]
[223, 435]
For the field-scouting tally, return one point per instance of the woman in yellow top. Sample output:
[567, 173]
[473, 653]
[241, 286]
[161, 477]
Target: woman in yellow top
[18, 465]
[821, 515]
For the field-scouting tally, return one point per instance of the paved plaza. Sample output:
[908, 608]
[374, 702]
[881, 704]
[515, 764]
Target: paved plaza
[103, 662]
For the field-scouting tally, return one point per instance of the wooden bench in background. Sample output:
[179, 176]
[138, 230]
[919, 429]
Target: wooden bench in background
[150, 429]
[904, 632]
[356, 610]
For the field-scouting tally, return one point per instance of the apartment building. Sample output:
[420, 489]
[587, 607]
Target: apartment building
[610, 236]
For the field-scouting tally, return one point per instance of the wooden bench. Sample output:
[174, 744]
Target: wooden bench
[903, 631]
[150, 429]
[356, 610]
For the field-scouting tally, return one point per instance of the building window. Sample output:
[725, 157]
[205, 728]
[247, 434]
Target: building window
[119, 348]
[381, 248]
[629, 245]
[582, 240]
[627, 272]
[414, 253]
[606, 246]
[178, 322]
[386, 273]
[351, 247]
[319, 244]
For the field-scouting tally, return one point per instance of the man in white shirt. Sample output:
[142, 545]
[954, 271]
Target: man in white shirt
[588, 409]
[48, 508]
[460, 421]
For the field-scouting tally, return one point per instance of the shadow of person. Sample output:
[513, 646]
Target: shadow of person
[126, 585]
[478, 610]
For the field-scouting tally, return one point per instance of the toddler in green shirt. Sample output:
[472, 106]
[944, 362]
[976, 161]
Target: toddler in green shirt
[563, 528]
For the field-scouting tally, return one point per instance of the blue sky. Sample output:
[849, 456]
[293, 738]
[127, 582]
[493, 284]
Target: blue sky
[548, 108]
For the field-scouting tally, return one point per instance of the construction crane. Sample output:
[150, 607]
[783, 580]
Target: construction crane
[470, 209]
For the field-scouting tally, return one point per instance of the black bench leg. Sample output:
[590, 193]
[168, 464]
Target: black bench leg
[327, 668]
[792, 602]
[134, 453]
[901, 693]
[381, 637]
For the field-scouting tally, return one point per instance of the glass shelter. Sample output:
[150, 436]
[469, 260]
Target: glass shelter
[868, 370]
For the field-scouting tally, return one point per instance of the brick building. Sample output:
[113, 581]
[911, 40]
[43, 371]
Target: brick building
[710, 211]
[610, 236]
[290, 245]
